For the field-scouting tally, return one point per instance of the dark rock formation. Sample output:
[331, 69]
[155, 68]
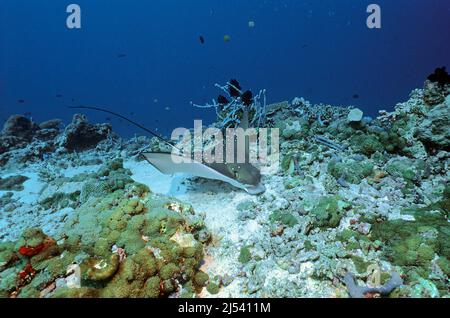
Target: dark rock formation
[19, 126]
[80, 135]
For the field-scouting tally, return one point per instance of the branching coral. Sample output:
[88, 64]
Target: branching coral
[243, 110]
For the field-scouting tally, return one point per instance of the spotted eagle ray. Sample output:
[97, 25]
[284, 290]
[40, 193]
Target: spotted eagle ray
[240, 175]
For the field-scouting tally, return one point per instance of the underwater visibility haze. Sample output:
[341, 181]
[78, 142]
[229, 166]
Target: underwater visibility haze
[350, 198]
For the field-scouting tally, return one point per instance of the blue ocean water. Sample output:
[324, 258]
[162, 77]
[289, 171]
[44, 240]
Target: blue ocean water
[144, 59]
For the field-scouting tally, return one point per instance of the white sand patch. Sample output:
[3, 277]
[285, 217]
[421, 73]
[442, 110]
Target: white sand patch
[32, 186]
[29, 212]
[145, 173]
[73, 171]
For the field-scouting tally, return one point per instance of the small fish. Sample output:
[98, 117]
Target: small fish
[234, 88]
[226, 38]
[304, 46]
[120, 56]
[131, 113]
[222, 100]
[201, 39]
[355, 96]
[251, 24]
[167, 108]
[21, 101]
[58, 95]
[247, 98]
[73, 99]
[108, 119]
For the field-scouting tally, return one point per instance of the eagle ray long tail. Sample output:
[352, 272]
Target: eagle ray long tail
[128, 120]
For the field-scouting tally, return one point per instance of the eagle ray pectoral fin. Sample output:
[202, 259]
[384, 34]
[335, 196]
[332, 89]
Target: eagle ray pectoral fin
[164, 162]
[255, 190]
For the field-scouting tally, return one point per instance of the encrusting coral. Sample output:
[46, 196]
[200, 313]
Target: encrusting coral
[128, 242]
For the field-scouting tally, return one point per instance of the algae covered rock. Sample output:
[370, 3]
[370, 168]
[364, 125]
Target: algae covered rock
[367, 144]
[328, 211]
[434, 130]
[351, 171]
[245, 255]
[19, 126]
[294, 128]
[407, 169]
[283, 217]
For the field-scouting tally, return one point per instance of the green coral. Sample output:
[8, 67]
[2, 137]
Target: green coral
[152, 287]
[169, 271]
[201, 279]
[61, 200]
[393, 142]
[245, 255]
[292, 183]
[31, 237]
[83, 292]
[360, 264]
[328, 212]
[407, 169]
[354, 240]
[213, 288]
[367, 144]
[413, 245]
[7, 253]
[283, 217]
[352, 172]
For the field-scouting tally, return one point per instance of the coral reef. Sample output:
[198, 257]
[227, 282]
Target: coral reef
[353, 195]
[127, 242]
